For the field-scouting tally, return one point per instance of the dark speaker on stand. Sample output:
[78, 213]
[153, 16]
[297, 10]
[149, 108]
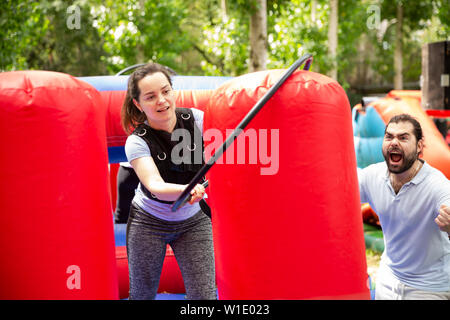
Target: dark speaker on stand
[435, 82]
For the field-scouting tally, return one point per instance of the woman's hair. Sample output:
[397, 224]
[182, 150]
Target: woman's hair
[131, 116]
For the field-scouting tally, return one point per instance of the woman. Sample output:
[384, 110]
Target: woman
[150, 113]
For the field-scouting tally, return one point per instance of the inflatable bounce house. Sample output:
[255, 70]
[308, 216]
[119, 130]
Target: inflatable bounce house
[294, 233]
[369, 123]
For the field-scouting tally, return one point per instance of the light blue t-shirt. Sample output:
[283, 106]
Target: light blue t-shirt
[417, 252]
[136, 147]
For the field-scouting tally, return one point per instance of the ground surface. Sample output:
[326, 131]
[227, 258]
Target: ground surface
[373, 262]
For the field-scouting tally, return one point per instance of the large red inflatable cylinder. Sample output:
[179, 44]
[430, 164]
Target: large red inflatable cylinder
[113, 101]
[193, 98]
[171, 280]
[57, 239]
[286, 215]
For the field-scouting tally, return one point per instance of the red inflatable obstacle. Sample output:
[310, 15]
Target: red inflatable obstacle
[287, 215]
[171, 280]
[57, 238]
[122, 272]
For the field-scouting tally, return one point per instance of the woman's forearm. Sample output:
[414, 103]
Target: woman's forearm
[165, 191]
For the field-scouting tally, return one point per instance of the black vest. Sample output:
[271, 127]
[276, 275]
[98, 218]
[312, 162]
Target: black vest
[178, 161]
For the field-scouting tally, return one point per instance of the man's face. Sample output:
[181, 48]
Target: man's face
[400, 148]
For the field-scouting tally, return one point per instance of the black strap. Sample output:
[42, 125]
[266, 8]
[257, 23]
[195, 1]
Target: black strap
[205, 208]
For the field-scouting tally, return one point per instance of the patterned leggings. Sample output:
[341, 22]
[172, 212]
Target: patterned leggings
[191, 242]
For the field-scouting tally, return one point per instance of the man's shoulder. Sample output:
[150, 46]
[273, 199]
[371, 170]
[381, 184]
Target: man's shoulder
[376, 168]
[435, 174]
[372, 173]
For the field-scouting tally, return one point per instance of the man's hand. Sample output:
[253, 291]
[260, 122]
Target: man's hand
[443, 219]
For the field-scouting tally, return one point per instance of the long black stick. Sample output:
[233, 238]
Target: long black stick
[250, 115]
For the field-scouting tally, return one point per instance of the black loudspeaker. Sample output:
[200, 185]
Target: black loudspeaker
[436, 75]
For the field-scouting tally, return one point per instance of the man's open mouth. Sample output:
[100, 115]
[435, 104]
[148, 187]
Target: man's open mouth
[395, 157]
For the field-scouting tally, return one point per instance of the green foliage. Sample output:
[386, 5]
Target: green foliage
[38, 37]
[142, 31]
[421, 24]
[226, 46]
[414, 12]
[292, 32]
[22, 27]
[442, 8]
[198, 38]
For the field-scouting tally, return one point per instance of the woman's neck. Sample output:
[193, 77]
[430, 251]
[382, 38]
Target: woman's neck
[167, 126]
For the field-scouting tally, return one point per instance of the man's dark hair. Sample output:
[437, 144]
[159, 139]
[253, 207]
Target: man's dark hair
[407, 118]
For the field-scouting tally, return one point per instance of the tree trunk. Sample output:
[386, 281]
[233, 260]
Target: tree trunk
[398, 53]
[313, 10]
[223, 7]
[333, 37]
[140, 50]
[258, 37]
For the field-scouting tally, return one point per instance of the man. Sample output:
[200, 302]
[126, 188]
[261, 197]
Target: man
[412, 200]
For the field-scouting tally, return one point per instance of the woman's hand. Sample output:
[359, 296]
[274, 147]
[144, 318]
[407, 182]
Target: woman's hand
[197, 194]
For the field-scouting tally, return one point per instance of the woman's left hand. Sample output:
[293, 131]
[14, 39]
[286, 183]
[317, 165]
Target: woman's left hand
[197, 194]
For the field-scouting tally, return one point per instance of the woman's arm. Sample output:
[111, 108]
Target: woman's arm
[149, 176]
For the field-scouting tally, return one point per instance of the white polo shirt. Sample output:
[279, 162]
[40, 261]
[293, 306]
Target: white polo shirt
[417, 252]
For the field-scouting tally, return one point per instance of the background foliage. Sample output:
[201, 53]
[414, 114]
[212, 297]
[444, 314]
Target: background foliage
[210, 37]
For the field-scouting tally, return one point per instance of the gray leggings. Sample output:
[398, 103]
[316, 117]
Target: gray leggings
[191, 242]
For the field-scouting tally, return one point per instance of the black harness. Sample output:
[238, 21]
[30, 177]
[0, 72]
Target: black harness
[177, 155]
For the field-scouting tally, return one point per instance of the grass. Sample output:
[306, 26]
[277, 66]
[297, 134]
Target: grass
[373, 262]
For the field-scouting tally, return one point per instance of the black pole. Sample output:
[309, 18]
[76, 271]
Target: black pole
[250, 115]
[204, 184]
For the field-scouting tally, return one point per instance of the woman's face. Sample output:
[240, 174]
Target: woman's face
[156, 100]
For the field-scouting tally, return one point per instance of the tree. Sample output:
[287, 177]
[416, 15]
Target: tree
[333, 36]
[41, 35]
[22, 27]
[223, 42]
[70, 44]
[258, 36]
[398, 53]
[409, 17]
[292, 32]
[140, 31]
[213, 37]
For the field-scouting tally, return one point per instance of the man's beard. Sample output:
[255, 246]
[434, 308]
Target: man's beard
[407, 161]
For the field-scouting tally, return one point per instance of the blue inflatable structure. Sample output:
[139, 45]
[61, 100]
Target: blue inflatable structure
[368, 132]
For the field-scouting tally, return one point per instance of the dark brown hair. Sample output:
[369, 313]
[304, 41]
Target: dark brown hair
[407, 118]
[130, 115]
